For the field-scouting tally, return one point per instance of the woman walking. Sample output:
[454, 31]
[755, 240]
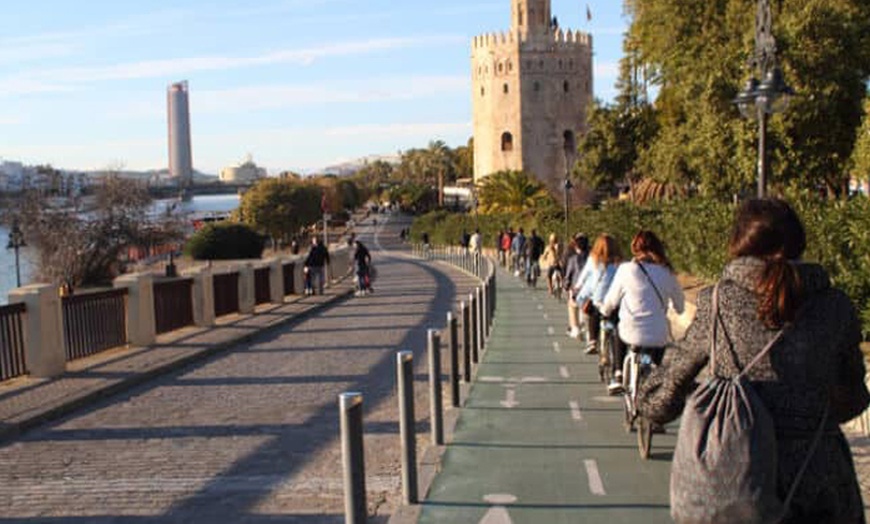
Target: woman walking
[810, 380]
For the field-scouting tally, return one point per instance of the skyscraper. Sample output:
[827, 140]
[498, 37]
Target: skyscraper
[180, 155]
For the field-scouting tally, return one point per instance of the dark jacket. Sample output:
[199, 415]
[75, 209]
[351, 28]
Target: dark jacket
[318, 256]
[573, 265]
[818, 361]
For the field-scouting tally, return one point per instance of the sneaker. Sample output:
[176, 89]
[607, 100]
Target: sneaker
[615, 387]
[618, 376]
[591, 349]
[573, 332]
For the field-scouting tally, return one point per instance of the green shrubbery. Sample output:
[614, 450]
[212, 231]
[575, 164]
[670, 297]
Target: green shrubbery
[225, 241]
[695, 232]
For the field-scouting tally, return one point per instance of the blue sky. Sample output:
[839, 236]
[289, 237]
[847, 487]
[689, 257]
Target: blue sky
[299, 84]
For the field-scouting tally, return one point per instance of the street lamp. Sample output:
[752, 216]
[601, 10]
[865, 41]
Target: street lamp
[16, 242]
[759, 100]
[569, 154]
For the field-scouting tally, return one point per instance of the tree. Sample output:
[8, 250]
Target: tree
[464, 158]
[279, 208]
[79, 247]
[698, 61]
[512, 192]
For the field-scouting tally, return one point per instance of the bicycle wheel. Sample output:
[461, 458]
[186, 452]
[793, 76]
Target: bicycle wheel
[628, 395]
[644, 437]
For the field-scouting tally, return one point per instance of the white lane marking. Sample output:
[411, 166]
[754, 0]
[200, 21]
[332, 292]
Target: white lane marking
[546, 316]
[510, 400]
[596, 485]
[490, 379]
[551, 331]
[615, 398]
[556, 347]
[540, 307]
[563, 370]
[498, 514]
[508, 381]
[528, 380]
[575, 410]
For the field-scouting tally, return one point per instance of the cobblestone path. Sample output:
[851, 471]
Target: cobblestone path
[249, 436]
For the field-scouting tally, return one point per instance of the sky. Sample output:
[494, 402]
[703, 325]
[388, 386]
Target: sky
[297, 84]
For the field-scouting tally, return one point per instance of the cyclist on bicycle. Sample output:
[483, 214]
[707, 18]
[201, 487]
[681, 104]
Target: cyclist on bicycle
[551, 260]
[592, 284]
[534, 250]
[642, 290]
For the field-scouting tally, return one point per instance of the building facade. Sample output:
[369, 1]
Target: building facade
[245, 173]
[531, 87]
[180, 153]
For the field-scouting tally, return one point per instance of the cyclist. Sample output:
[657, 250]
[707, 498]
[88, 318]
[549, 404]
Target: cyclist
[642, 291]
[362, 263]
[592, 284]
[575, 259]
[534, 250]
[551, 260]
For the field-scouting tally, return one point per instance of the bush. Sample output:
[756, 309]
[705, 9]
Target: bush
[695, 232]
[225, 241]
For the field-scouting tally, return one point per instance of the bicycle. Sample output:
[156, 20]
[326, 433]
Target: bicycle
[606, 346]
[635, 368]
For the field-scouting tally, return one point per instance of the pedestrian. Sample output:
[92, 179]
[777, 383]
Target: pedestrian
[506, 247]
[642, 291]
[518, 250]
[474, 242]
[464, 240]
[812, 378]
[315, 263]
[575, 260]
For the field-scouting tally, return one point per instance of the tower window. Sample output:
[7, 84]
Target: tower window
[520, 11]
[566, 86]
[570, 143]
[505, 88]
[482, 91]
[510, 66]
[541, 63]
[507, 142]
[537, 86]
[560, 64]
[500, 68]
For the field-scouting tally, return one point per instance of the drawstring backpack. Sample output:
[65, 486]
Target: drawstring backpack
[724, 468]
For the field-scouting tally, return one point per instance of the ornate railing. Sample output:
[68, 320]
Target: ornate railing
[94, 322]
[12, 362]
[173, 304]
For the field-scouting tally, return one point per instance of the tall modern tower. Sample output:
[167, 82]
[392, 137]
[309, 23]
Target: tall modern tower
[180, 155]
[531, 87]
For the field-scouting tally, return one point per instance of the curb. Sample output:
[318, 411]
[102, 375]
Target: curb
[11, 430]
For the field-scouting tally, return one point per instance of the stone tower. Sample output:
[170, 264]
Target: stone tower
[531, 87]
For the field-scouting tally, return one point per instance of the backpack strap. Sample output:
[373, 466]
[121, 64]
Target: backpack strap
[714, 329]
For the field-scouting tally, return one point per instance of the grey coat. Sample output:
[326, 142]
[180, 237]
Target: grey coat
[818, 360]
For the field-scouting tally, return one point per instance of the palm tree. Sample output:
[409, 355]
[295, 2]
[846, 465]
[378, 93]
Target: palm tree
[512, 192]
[439, 158]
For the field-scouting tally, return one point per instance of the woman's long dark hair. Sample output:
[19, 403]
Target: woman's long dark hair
[647, 247]
[770, 229]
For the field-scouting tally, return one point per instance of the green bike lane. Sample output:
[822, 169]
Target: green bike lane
[538, 439]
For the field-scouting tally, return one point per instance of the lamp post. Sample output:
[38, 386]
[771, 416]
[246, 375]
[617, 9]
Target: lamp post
[568, 186]
[16, 242]
[760, 99]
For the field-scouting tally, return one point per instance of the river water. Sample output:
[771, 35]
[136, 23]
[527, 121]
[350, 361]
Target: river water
[28, 256]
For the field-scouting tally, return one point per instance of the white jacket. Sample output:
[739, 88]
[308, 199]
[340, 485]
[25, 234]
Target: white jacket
[643, 317]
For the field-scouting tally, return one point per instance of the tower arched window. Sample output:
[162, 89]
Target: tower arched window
[570, 141]
[482, 91]
[537, 86]
[507, 142]
[500, 68]
[520, 12]
[566, 86]
[506, 89]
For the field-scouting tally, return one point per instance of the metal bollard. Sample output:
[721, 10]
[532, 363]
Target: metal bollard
[475, 356]
[352, 457]
[435, 403]
[408, 435]
[466, 342]
[481, 338]
[453, 346]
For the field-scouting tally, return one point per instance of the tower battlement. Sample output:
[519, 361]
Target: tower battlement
[561, 38]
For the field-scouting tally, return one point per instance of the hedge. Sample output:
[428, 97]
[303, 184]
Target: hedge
[695, 232]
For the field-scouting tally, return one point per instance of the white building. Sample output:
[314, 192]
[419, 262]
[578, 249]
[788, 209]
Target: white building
[245, 173]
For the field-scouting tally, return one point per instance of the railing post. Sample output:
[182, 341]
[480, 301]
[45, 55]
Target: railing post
[436, 406]
[466, 342]
[247, 298]
[276, 281]
[405, 379]
[484, 297]
[352, 457]
[141, 324]
[203, 297]
[475, 356]
[42, 327]
[453, 346]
